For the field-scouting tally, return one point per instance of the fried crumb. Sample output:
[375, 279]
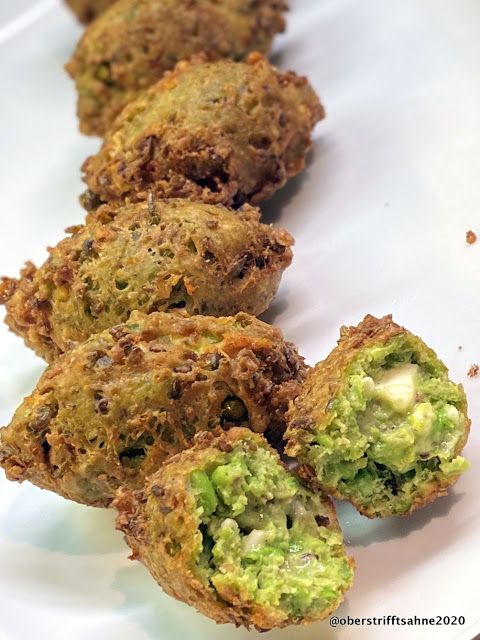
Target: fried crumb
[473, 371]
[247, 348]
[237, 265]
[74, 228]
[311, 413]
[152, 526]
[471, 237]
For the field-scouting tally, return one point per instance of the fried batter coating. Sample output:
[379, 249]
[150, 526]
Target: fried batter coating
[88, 10]
[146, 257]
[133, 43]
[225, 527]
[219, 132]
[379, 423]
[112, 410]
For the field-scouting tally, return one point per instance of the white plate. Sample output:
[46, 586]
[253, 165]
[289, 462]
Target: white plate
[379, 218]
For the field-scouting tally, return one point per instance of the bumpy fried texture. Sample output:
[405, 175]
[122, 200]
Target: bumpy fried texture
[112, 410]
[147, 257]
[227, 529]
[218, 132]
[379, 423]
[88, 10]
[133, 43]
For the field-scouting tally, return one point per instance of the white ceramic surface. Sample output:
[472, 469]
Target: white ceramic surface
[379, 219]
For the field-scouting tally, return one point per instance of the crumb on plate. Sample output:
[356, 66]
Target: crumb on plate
[473, 371]
[471, 237]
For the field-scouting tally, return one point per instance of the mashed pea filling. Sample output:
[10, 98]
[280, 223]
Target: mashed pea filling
[394, 428]
[265, 539]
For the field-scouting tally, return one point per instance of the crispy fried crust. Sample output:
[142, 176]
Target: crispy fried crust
[161, 517]
[132, 44]
[310, 412]
[110, 411]
[88, 10]
[146, 257]
[219, 132]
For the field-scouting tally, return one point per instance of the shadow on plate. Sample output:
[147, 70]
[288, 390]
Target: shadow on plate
[272, 210]
[390, 550]
[278, 306]
[278, 57]
[157, 614]
[362, 532]
[47, 521]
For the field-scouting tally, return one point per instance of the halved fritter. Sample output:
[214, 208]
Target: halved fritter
[88, 10]
[147, 257]
[112, 410]
[379, 423]
[227, 529]
[130, 46]
[219, 132]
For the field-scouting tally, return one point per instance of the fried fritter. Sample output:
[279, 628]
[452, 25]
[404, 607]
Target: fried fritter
[225, 527]
[219, 132]
[379, 423]
[112, 410]
[147, 257]
[88, 10]
[133, 43]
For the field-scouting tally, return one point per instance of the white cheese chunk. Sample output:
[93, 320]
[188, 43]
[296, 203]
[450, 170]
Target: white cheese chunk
[397, 387]
[254, 540]
[452, 413]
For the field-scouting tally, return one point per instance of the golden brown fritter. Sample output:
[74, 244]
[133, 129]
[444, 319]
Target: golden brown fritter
[88, 10]
[147, 257]
[224, 527]
[378, 422]
[133, 43]
[219, 132]
[112, 410]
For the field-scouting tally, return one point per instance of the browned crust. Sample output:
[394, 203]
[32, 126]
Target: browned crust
[256, 137]
[325, 381]
[161, 515]
[27, 315]
[8, 287]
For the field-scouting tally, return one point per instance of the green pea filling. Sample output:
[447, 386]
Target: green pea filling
[265, 538]
[394, 428]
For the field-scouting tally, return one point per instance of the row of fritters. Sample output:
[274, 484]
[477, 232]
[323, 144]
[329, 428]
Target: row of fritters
[157, 415]
[222, 127]
[187, 103]
[203, 116]
[193, 135]
[106, 417]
